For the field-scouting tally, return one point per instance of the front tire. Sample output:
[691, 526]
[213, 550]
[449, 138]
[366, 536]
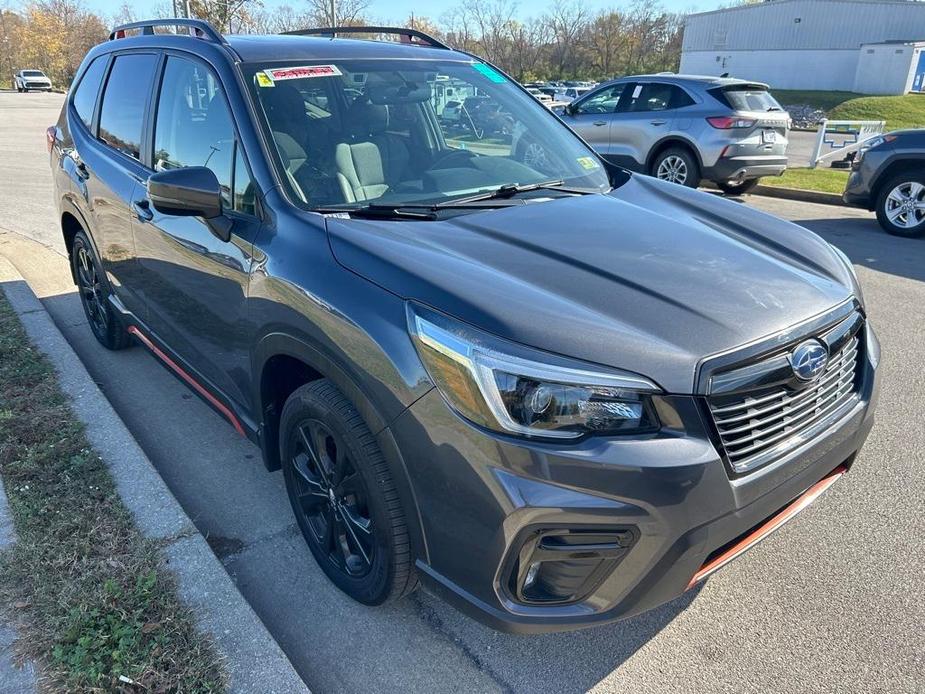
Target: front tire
[677, 165]
[739, 188]
[105, 323]
[343, 496]
[901, 205]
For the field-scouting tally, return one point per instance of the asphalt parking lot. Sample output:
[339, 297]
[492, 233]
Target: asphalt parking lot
[831, 603]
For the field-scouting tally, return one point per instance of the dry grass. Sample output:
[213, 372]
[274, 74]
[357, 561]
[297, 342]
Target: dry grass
[94, 604]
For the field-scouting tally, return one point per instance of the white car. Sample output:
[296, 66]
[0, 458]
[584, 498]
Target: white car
[29, 80]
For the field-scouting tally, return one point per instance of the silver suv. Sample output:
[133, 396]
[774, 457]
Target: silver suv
[685, 128]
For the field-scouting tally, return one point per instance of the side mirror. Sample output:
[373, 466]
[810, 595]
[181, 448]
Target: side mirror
[570, 109]
[192, 191]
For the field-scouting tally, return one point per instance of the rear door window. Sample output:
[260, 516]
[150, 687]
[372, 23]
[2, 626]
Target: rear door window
[84, 98]
[122, 114]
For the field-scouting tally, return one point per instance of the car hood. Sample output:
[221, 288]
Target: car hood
[650, 278]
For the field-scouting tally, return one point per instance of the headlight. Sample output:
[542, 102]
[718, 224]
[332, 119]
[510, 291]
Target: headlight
[482, 379]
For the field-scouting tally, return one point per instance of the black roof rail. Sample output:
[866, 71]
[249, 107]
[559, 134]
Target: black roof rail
[198, 27]
[407, 35]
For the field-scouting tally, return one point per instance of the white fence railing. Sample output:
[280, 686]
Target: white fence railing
[842, 136]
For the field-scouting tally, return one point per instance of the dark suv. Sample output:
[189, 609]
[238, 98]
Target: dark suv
[888, 177]
[556, 395]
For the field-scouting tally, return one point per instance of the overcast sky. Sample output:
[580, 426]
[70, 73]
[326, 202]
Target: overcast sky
[394, 10]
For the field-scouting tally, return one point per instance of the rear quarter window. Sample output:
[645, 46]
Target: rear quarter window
[84, 98]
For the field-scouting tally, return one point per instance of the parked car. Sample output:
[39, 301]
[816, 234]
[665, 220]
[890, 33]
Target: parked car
[539, 95]
[31, 80]
[888, 177]
[686, 129]
[569, 94]
[452, 112]
[557, 397]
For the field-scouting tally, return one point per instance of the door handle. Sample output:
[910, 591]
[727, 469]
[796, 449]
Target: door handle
[600, 122]
[657, 122]
[143, 210]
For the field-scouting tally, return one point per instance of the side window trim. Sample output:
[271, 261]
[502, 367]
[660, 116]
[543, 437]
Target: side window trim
[627, 96]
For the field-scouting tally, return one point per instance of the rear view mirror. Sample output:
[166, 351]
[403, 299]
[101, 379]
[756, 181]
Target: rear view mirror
[192, 191]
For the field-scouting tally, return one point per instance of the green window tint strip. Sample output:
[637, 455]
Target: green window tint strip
[489, 72]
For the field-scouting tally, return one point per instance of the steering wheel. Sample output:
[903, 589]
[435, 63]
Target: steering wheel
[445, 161]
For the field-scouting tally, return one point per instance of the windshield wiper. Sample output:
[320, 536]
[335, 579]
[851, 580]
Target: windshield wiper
[511, 189]
[377, 212]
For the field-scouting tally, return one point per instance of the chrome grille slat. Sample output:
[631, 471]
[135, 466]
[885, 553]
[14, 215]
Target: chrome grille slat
[755, 427]
[789, 412]
[749, 403]
[762, 434]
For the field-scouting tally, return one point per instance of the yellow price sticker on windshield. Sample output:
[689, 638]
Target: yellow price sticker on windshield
[587, 163]
[263, 80]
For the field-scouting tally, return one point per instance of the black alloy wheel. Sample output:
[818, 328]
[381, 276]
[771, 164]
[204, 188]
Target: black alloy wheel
[332, 498]
[343, 496]
[105, 324]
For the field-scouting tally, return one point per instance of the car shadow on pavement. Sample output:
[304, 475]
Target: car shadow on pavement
[562, 662]
[866, 244]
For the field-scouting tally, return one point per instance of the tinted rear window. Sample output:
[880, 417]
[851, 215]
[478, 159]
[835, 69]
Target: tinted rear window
[122, 114]
[85, 95]
[747, 99]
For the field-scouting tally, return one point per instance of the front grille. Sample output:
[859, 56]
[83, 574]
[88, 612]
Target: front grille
[760, 425]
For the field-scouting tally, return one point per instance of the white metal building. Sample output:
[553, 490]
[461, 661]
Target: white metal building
[870, 46]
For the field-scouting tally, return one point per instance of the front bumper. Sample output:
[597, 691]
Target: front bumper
[478, 494]
[857, 190]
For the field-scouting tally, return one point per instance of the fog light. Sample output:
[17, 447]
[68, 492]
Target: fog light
[562, 566]
[531, 574]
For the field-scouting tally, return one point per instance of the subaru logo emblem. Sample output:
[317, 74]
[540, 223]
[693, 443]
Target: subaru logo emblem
[808, 360]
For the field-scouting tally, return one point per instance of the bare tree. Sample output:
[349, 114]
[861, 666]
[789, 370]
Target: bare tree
[336, 13]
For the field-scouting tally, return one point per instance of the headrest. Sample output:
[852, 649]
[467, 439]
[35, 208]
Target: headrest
[365, 118]
[283, 104]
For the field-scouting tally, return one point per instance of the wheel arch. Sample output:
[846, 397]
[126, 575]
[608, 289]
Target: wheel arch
[284, 363]
[72, 221]
[668, 142]
[894, 167]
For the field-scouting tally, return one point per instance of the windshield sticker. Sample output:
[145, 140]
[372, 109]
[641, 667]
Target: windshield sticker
[279, 74]
[263, 80]
[489, 72]
[587, 163]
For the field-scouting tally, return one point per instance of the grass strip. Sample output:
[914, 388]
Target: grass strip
[823, 180]
[96, 609]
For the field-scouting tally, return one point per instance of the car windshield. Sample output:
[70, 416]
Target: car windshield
[32, 73]
[410, 132]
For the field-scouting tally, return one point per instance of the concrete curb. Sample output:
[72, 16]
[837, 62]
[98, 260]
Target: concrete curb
[14, 678]
[252, 658]
[815, 196]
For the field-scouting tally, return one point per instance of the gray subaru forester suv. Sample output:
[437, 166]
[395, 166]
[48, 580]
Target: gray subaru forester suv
[686, 128]
[556, 396]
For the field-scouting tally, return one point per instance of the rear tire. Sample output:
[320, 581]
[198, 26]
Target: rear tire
[676, 165]
[343, 496]
[740, 188]
[105, 323]
[901, 205]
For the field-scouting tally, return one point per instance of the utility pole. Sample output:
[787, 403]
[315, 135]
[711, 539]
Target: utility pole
[333, 13]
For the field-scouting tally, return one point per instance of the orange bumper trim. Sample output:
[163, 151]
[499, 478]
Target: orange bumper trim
[767, 527]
